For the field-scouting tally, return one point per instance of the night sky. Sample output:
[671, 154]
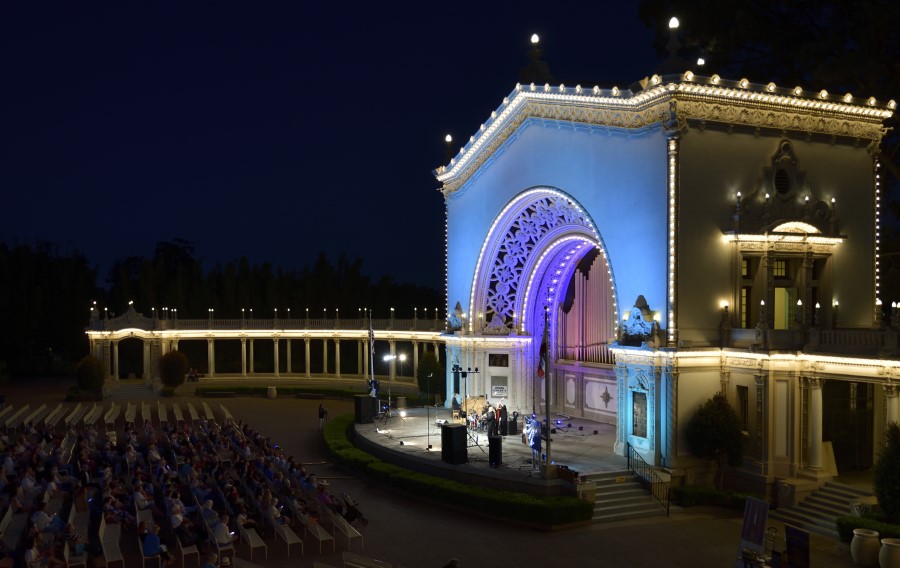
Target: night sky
[269, 130]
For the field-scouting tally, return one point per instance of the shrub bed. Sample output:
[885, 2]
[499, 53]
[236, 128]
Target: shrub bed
[549, 511]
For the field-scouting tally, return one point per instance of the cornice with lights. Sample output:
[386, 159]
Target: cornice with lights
[698, 98]
[803, 364]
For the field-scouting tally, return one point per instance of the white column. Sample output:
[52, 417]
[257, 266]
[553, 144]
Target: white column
[415, 358]
[211, 356]
[393, 366]
[275, 356]
[244, 356]
[252, 359]
[365, 358]
[437, 352]
[306, 346]
[325, 356]
[288, 346]
[115, 364]
[337, 358]
[359, 358]
[893, 403]
[146, 372]
[815, 424]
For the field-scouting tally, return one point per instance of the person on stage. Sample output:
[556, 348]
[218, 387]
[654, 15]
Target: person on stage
[501, 418]
[490, 421]
[533, 439]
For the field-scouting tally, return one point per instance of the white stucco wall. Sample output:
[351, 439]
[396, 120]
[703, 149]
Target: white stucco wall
[618, 178]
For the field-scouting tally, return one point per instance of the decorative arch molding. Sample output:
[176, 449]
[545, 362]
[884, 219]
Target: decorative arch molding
[513, 273]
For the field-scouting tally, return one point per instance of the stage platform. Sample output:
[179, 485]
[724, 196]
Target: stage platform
[580, 445]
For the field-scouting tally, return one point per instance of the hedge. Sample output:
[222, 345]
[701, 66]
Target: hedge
[693, 495]
[845, 526]
[546, 510]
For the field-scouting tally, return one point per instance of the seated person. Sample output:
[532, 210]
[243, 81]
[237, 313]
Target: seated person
[328, 499]
[274, 513]
[244, 520]
[153, 546]
[222, 533]
[35, 557]
[209, 514]
[182, 526]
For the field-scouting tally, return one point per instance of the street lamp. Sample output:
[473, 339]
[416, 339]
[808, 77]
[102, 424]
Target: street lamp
[402, 359]
[389, 359]
[428, 408]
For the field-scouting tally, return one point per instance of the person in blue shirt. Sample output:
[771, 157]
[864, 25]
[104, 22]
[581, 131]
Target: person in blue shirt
[153, 546]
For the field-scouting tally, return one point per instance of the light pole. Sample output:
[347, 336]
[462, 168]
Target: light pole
[402, 359]
[389, 359]
[428, 408]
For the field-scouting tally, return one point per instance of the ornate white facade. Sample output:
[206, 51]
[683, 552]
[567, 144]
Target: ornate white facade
[696, 235]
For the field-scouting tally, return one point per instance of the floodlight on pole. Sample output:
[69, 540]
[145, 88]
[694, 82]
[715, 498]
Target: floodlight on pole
[535, 38]
[673, 23]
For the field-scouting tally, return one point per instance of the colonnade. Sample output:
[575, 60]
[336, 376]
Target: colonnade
[815, 458]
[107, 351]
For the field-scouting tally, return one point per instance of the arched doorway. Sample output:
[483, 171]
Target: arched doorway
[543, 254]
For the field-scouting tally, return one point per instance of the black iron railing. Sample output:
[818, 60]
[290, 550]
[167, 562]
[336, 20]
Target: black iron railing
[648, 477]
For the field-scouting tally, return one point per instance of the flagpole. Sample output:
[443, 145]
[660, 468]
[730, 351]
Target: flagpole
[547, 385]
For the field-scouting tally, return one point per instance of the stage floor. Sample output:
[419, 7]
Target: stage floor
[585, 447]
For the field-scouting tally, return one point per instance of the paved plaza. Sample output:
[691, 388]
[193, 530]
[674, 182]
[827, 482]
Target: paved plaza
[415, 533]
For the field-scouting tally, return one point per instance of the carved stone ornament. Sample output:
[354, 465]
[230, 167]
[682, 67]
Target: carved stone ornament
[639, 328]
[496, 327]
[606, 397]
[783, 201]
[641, 381]
[525, 234]
[455, 318]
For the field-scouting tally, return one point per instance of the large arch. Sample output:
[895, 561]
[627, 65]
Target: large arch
[540, 228]
[527, 265]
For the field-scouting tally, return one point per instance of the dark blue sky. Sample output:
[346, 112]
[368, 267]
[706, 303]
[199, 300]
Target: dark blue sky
[269, 130]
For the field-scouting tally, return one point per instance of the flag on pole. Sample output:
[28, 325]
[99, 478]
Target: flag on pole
[542, 356]
[371, 334]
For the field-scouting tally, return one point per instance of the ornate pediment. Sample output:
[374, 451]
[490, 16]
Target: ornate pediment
[783, 202]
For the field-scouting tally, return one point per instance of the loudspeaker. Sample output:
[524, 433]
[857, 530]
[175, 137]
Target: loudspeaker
[513, 427]
[364, 406]
[453, 444]
[495, 450]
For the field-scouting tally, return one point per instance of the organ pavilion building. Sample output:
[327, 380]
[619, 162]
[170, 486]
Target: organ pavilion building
[690, 236]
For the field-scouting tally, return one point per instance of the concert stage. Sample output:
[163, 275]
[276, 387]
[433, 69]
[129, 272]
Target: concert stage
[404, 440]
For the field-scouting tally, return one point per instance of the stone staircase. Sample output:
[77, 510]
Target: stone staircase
[132, 391]
[620, 496]
[818, 512]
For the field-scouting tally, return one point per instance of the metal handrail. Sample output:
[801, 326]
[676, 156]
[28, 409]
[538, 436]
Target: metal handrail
[648, 477]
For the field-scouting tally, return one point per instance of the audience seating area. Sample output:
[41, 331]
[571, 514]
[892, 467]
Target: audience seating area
[106, 474]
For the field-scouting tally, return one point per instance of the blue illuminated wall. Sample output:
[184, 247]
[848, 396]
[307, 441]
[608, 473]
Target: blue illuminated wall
[618, 177]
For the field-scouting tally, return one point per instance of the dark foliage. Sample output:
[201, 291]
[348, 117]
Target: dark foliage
[45, 294]
[173, 368]
[887, 475]
[90, 373]
[714, 433]
[431, 376]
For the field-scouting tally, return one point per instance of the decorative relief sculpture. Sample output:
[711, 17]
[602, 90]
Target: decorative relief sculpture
[640, 329]
[526, 233]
